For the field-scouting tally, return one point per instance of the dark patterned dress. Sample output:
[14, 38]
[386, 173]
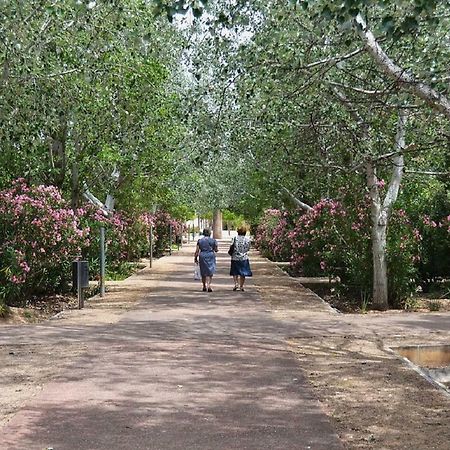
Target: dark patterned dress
[240, 264]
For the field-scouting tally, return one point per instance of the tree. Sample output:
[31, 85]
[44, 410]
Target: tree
[86, 98]
[312, 112]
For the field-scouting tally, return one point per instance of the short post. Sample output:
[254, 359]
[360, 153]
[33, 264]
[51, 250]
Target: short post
[82, 276]
[170, 239]
[102, 261]
[79, 288]
[151, 245]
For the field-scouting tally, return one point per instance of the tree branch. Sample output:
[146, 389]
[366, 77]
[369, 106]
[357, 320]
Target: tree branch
[356, 89]
[50, 75]
[295, 200]
[406, 80]
[334, 59]
[88, 195]
[427, 172]
[397, 163]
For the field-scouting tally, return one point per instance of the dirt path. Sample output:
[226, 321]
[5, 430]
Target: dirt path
[180, 369]
[375, 399]
[158, 364]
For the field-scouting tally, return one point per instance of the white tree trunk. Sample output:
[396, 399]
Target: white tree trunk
[380, 278]
[217, 224]
[380, 213]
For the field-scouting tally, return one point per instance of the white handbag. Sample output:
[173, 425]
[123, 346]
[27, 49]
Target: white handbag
[197, 275]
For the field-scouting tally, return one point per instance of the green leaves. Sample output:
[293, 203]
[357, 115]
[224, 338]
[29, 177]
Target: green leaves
[100, 72]
[181, 7]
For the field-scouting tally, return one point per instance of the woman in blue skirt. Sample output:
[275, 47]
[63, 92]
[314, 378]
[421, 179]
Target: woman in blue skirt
[205, 255]
[240, 265]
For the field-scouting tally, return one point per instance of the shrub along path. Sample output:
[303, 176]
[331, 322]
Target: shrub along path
[158, 364]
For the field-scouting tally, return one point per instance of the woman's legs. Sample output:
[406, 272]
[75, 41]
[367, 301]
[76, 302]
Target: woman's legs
[208, 283]
[236, 282]
[204, 282]
[241, 282]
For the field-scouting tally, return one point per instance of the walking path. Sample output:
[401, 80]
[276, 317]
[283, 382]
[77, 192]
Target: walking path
[161, 365]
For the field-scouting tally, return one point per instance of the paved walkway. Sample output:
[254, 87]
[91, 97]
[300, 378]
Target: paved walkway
[179, 369]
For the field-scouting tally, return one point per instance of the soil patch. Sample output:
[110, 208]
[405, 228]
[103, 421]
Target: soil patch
[26, 368]
[39, 309]
[417, 303]
[375, 400]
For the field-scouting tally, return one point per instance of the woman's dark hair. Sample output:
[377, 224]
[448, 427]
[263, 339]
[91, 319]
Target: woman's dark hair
[206, 232]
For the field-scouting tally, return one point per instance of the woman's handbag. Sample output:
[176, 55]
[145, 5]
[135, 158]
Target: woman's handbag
[197, 275]
[231, 249]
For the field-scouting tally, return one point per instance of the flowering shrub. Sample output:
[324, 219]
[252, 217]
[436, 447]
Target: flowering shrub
[127, 236]
[269, 246]
[162, 223]
[403, 256]
[335, 241]
[40, 236]
[329, 240]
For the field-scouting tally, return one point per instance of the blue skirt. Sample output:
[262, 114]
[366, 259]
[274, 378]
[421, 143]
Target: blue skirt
[207, 261]
[241, 268]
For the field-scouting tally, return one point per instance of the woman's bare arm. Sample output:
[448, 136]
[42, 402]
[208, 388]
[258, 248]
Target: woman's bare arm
[197, 251]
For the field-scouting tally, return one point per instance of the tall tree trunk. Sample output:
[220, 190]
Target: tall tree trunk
[380, 277]
[379, 229]
[75, 190]
[58, 157]
[217, 224]
[380, 213]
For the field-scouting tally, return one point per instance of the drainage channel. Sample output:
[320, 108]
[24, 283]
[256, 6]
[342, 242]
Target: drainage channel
[431, 361]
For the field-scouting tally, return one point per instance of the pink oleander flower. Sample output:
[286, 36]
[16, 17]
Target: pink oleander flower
[25, 267]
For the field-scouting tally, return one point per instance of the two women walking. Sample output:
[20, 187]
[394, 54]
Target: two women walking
[205, 256]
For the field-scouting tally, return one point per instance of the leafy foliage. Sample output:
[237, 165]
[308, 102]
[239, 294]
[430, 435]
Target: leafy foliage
[41, 236]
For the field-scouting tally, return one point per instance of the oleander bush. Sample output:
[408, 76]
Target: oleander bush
[40, 236]
[334, 240]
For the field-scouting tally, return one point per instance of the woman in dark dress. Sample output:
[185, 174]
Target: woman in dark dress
[205, 255]
[240, 265]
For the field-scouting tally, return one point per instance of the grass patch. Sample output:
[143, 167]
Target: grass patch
[122, 271]
[434, 305]
[4, 310]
